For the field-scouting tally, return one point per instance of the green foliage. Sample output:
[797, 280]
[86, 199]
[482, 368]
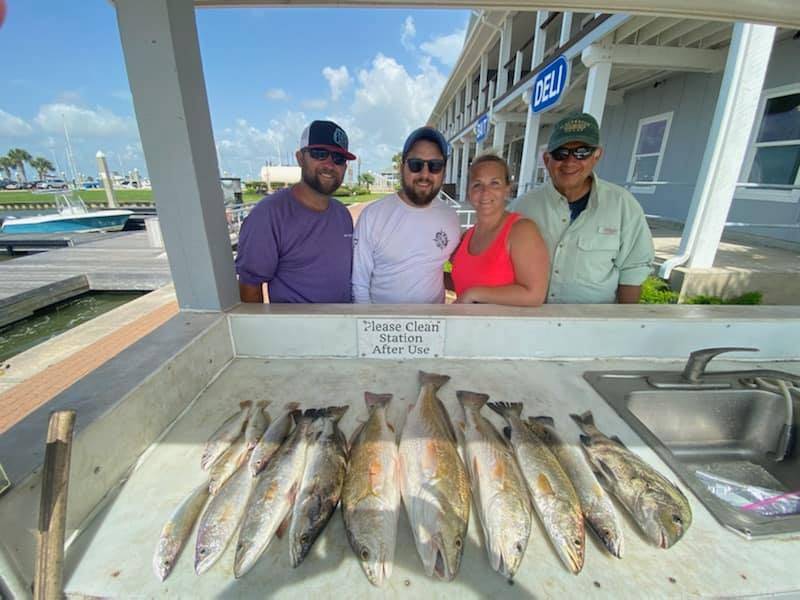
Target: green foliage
[657, 291]
[748, 298]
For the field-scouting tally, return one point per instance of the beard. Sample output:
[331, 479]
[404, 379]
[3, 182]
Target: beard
[420, 198]
[313, 181]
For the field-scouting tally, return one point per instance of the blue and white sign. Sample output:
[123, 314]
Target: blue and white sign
[482, 127]
[549, 84]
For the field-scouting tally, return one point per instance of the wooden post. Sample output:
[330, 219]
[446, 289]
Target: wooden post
[47, 582]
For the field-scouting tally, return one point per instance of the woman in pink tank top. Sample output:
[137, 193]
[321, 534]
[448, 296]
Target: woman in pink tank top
[503, 258]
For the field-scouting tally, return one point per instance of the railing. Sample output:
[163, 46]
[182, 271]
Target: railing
[465, 216]
[235, 215]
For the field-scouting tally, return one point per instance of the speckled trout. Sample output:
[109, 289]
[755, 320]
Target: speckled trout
[177, 530]
[598, 509]
[256, 425]
[371, 492]
[553, 494]
[498, 487]
[272, 439]
[273, 496]
[433, 482]
[221, 519]
[321, 486]
[223, 437]
[656, 504]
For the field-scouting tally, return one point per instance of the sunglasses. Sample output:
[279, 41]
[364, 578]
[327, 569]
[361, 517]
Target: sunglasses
[580, 153]
[415, 165]
[323, 154]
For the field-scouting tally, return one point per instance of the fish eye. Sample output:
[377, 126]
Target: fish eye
[518, 548]
[201, 551]
[578, 543]
[304, 538]
[677, 519]
[364, 554]
[458, 543]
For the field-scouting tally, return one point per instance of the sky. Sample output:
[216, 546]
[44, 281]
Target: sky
[269, 72]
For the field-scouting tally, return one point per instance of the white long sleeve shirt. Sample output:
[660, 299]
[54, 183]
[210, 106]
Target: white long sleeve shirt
[399, 251]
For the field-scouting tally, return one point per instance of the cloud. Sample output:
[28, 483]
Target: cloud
[245, 143]
[315, 104]
[277, 94]
[445, 48]
[338, 79]
[13, 126]
[81, 121]
[68, 97]
[409, 31]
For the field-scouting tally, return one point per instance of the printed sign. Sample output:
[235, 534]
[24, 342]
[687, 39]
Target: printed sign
[549, 84]
[482, 128]
[400, 338]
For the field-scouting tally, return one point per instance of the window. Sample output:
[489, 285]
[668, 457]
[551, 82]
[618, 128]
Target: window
[773, 158]
[648, 151]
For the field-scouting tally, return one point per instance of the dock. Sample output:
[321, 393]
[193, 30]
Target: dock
[120, 261]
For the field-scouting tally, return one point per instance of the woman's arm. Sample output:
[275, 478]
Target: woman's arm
[531, 271]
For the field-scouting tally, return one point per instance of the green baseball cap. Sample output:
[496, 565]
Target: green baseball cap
[577, 127]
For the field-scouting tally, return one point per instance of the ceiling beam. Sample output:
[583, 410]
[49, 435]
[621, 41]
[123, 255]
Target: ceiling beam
[646, 34]
[668, 58]
[626, 30]
[705, 31]
[677, 31]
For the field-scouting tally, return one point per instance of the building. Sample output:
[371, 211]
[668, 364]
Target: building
[280, 175]
[660, 87]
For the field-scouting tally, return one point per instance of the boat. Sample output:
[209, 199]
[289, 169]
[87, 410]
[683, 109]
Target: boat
[72, 215]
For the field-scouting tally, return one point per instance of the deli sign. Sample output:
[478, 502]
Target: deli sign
[549, 85]
[482, 128]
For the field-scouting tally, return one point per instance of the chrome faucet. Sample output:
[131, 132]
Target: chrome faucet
[696, 365]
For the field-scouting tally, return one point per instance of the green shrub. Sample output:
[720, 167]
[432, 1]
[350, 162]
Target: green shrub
[748, 298]
[657, 291]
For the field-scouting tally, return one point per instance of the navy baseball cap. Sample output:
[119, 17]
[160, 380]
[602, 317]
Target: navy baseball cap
[327, 135]
[429, 134]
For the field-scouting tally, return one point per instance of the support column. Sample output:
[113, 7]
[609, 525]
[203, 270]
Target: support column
[462, 182]
[539, 38]
[450, 162]
[482, 82]
[566, 27]
[499, 136]
[504, 55]
[467, 98]
[458, 120]
[162, 57]
[530, 145]
[518, 58]
[598, 60]
[740, 91]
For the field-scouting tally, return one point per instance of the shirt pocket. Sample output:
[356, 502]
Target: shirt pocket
[596, 257]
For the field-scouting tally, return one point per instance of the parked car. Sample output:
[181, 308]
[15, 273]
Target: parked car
[90, 185]
[53, 184]
[12, 186]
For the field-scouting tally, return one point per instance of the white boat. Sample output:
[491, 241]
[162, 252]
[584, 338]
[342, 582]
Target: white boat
[72, 215]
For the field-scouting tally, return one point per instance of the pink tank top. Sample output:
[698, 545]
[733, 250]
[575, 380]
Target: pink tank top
[491, 268]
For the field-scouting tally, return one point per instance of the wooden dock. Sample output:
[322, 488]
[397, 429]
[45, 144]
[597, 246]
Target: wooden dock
[106, 262]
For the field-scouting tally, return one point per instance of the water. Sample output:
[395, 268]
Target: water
[56, 319]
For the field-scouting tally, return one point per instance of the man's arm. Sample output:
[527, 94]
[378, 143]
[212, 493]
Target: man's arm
[628, 294]
[363, 261]
[250, 293]
[256, 255]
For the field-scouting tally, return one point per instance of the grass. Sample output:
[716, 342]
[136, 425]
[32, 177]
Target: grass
[657, 291]
[134, 197]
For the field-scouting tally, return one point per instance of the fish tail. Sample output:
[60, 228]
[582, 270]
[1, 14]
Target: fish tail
[506, 409]
[245, 404]
[544, 420]
[585, 422]
[262, 404]
[434, 379]
[474, 400]
[290, 406]
[335, 412]
[373, 399]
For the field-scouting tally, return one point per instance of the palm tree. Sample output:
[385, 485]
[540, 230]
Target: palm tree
[6, 164]
[42, 166]
[366, 179]
[20, 157]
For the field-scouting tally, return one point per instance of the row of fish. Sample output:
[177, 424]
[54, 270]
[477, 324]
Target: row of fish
[265, 478]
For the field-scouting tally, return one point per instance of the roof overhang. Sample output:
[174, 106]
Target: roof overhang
[784, 13]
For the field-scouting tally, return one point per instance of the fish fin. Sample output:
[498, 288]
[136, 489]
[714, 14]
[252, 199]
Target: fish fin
[585, 421]
[619, 441]
[428, 461]
[605, 471]
[373, 400]
[585, 440]
[434, 379]
[544, 420]
[543, 485]
[541, 429]
[356, 433]
[507, 432]
[391, 427]
[506, 409]
[335, 412]
[474, 400]
[279, 533]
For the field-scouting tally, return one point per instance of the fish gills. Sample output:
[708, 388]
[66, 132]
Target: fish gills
[656, 504]
[554, 497]
[177, 530]
[371, 492]
[498, 487]
[434, 482]
[598, 509]
[321, 486]
[223, 437]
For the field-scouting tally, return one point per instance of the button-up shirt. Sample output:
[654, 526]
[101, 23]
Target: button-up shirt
[607, 245]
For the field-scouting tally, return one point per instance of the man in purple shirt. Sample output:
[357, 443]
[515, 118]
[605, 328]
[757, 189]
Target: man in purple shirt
[299, 241]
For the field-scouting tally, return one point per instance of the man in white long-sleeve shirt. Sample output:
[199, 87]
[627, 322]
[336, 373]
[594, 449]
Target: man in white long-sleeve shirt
[401, 242]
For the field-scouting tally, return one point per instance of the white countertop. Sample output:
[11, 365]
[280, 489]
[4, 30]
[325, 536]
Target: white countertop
[112, 556]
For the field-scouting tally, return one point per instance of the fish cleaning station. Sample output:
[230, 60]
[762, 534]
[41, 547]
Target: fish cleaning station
[714, 437]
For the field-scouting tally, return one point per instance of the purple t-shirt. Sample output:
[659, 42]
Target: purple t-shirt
[304, 255]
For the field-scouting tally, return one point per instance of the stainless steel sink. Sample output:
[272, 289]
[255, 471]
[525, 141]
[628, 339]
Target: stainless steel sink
[732, 433]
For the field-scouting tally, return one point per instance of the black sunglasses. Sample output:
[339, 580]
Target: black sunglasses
[580, 153]
[322, 154]
[415, 165]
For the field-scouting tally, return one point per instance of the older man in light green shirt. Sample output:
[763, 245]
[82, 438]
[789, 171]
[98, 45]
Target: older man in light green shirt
[596, 233]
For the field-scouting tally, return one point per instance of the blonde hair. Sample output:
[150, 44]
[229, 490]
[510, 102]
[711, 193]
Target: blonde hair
[490, 158]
